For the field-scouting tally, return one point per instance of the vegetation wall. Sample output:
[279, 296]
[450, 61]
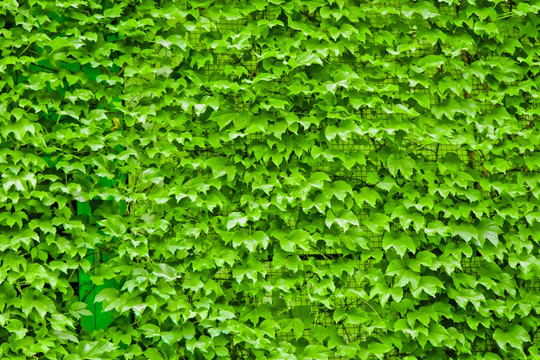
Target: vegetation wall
[269, 179]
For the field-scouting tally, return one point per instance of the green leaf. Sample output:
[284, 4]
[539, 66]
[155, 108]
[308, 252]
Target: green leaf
[402, 163]
[464, 296]
[403, 275]
[305, 59]
[107, 295]
[369, 195]
[223, 118]
[296, 238]
[251, 241]
[377, 221]
[166, 272]
[150, 330]
[315, 352]
[426, 9]
[318, 180]
[422, 98]
[465, 231]
[16, 327]
[515, 336]
[236, 218]
[296, 325]
[437, 336]
[355, 239]
[344, 219]
[489, 230]
[400, 242]
[152, 175]
[340, 189]
[113, 226]
[429, 285]
[379, 349]
[21, 129]
[15, 181]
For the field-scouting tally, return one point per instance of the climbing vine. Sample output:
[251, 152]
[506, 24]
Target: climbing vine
[269, 179]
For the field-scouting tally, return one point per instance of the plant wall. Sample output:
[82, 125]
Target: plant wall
[269, 179]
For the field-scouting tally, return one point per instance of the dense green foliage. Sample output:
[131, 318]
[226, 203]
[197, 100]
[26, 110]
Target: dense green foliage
[270, 179]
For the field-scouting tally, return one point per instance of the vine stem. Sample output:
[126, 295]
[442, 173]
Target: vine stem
[26, 48]
[346, 332]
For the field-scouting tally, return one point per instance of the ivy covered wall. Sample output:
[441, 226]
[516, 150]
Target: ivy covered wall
[269, 179]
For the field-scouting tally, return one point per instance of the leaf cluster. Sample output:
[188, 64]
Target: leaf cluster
[269, 179]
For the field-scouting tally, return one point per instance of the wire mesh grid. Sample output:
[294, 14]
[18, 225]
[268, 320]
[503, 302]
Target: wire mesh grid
[507, 9]
[525, 121]
[193, 37]
[533, 284]
[355, 143]
[480, 93]
[436, 151]
[484, 345]
[536, 338]
[322, 316]
[470, 265]
[357, 175]
[379, 18]
[449, 10]
[225, 27]
[375, 239]
[424, 46]
[218, 67]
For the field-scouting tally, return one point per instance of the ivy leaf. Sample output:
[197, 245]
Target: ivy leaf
[379, 349]
[296, 238]
[354, 238]
[422, 98]
[369, 195]
[348, 350]
[166, 271]
[429, 285]
[340, 189]
[107, 295]
[515, 336]
[401, 243]
[315, 352]
[463, 296]
[38, 302]
[318, 179]
[251, 241]
[236, 218]
[344, 219]
[489, 230]
[403, 275]
[188, 330]
[437, 335]
[464, 230]
[377, 221]
[150, 330]
[305, 59]
[220, 167]
[113, 226]
[296, 325]
[19, 129]
[16, 327]
[402, 163]
[426, 9]
[251, 270]
[152, 175]
[16, 181]
[385, 292]
[224, 118]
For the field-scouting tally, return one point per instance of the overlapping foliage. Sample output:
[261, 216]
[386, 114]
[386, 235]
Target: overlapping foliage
[301, 179]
